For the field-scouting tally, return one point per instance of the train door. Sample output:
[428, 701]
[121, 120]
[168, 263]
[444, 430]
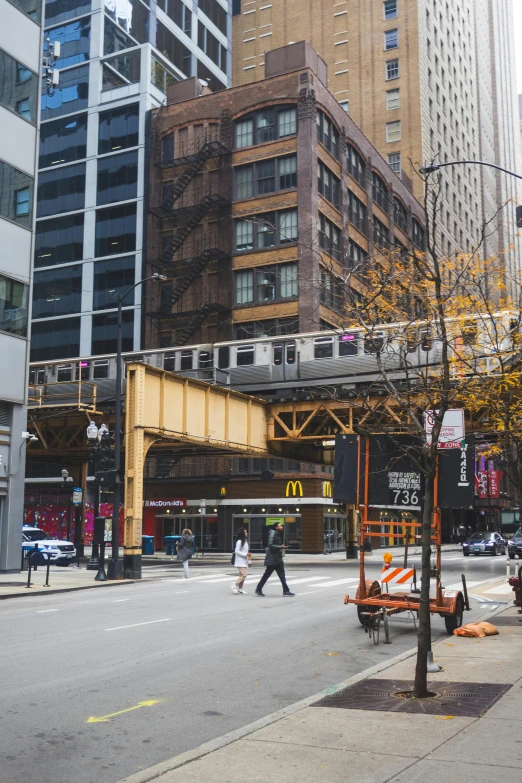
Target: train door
[284, 360]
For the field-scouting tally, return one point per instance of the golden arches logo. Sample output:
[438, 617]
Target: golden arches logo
[294, 488]
[327, 489]
[223, 491]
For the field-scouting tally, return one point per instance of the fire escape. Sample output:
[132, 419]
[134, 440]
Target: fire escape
[188, 215]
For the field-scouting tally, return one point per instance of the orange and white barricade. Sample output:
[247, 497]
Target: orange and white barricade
[397, 576]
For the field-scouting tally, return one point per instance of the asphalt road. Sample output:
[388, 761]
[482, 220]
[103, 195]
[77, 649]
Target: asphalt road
[211, 661]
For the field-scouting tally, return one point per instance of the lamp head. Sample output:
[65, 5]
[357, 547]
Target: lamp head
[92, 432]
[158, 277]
[429, 169]
[65, 473]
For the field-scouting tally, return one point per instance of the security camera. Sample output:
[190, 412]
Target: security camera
[28, 436]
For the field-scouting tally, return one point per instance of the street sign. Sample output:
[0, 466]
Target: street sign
[77, 496]
[452, 430]
[203, 505]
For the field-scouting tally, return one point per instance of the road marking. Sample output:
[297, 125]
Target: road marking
[338, 582]
[120, 600]
[106, 718]
[306, 579]
[494, 606]
[134, 625]
[500, 590]
[458, 585]
[43, 611]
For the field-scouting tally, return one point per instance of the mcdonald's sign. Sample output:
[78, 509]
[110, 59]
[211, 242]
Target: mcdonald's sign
[327, 489]
[294, 488]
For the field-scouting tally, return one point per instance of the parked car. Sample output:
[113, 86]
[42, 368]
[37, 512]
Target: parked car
[515, 544]
[484, 544]
[60, 553]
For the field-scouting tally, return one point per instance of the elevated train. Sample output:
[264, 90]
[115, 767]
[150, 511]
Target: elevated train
[290, 365]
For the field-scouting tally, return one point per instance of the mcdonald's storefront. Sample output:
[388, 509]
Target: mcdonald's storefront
[214, 512]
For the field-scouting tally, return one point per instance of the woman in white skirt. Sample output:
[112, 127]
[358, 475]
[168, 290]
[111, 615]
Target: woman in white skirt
[241, 560]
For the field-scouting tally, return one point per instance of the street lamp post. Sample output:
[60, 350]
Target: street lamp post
[94, 436]
[67, 485]
[114, 568]
[432, 167]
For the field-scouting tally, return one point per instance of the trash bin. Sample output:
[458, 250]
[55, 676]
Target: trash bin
[147, 545]
[170, 544]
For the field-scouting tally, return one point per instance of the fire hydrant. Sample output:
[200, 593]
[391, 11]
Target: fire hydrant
[515, 583]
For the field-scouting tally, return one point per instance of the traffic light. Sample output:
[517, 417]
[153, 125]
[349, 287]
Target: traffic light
[106, 473]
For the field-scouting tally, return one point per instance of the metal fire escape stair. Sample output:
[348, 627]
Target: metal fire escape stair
[193, 215]
[196, 266]
[195, 163]
[196, 320]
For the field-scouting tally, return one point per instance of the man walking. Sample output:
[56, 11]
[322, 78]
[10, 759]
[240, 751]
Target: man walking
[274, 560]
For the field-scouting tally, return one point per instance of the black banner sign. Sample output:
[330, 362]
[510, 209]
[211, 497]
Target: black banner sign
[345, 469]
[395, 481]
[457, 475]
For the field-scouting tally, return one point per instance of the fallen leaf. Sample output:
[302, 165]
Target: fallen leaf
[312, 642]
[334, 655]
[445, 717]
[449, 645]
[363, 650]
[256, 685]
[318, 674]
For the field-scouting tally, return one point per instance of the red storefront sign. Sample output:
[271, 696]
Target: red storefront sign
[488, 484]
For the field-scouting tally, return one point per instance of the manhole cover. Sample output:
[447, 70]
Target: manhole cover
[513, 619]
[469, 699]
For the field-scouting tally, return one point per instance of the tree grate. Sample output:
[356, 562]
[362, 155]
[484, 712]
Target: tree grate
[464, 699]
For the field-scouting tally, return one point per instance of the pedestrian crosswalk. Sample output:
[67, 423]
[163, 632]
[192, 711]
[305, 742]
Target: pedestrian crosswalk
[292, 580]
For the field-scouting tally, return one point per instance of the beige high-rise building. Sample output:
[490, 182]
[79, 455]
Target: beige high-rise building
[426, 80]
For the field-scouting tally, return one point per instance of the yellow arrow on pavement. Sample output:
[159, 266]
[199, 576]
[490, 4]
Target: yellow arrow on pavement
[106, 718]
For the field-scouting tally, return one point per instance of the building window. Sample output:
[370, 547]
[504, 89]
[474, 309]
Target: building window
[389, 9]
[57, 11]
[392, 69]
[391, 39]
[61, 190]
[118, 129]
[115, 230]
[244, 286]
[59, 241]
[380, 233]
[63, 141]
[379, 191]
[117, 178]
[266, 230]
[133, 17]
[13, 309]
[393, 131]
[170, 46]
[161, 77]
[329, 237]
[215, 12]
[112, 278]
[345, 105]
[357, 212]
[209, 44]
[74, 39]
[104, 332]
[205, 73]
[266, 177]
[33, 8]
[57, 292]
[70, 96]
[18, 95]
[356, 165]
[331, 294]
[356, 254]
[59, 339]
[417, 234]
[121, 70]
[269, 328]
[400, 214]
[179, 13]
[393, 99]
[394, 162]
[327, 134]
[16, 194]
[271, 284]
[328, 184]
[265, 125]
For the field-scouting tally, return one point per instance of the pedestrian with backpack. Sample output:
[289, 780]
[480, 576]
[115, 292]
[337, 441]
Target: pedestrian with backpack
[274, 560]
[184, 547]
[241, 560]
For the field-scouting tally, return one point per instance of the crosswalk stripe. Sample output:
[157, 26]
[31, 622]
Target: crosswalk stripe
[337, 582]
[500, 590]
[308, 579]
[458, 585]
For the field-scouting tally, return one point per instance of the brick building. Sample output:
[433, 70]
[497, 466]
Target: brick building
[261, 198]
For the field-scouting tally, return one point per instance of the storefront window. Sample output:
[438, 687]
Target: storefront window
[334, 532]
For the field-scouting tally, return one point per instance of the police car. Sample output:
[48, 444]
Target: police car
[60, 553]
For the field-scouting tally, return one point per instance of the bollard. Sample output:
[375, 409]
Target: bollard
[47, 574]
[387, 639]
[29, 564]
[35, 565]
[508, 564]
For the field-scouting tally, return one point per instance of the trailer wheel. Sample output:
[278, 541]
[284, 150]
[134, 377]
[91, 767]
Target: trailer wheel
[454, 621]
[361, 609]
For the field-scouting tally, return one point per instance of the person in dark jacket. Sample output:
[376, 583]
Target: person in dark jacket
[274, 560]
[185, 545]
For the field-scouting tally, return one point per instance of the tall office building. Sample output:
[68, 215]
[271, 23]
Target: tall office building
[20, 64]
[424, 79]
[116, 61]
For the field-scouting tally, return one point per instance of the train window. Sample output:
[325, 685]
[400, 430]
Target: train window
[169, 362]
[348, 345]
[205, 360]
[65, 372]
[278, 354]
[323, 347]
[426, 340]
[290, 353]
[373, 342]
[82, 371]
[224, 357]
[244, 355]
[186, 360]
[100, 368]
[37, 376]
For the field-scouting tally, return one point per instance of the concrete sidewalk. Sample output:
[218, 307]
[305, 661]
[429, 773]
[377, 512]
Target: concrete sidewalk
[307, 744]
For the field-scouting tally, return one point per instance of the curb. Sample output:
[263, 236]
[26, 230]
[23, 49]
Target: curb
[70, 589]
[158, 770]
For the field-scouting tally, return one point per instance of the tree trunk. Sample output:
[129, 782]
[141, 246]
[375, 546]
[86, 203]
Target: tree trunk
[420, 686]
